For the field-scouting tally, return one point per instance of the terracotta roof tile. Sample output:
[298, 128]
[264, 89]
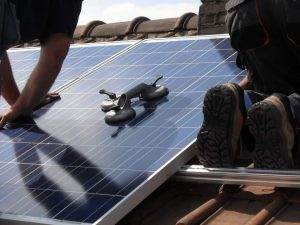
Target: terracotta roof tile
[157, 26]
[90, 27]
[110, 30]
[192, 23]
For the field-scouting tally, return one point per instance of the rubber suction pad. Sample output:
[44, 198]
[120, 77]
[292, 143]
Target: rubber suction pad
[121, 113]
[153, 93]
[109, 104]
[119, 116]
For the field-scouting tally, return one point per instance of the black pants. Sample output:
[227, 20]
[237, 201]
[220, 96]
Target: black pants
[267, 37]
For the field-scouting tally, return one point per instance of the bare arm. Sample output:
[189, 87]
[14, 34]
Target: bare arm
[43, 76]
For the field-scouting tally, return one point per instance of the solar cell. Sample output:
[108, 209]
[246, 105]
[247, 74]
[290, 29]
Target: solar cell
[70, 166]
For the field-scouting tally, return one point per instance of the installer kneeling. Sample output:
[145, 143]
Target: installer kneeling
[267, 101]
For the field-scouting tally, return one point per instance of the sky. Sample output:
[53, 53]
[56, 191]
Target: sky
[110, 11]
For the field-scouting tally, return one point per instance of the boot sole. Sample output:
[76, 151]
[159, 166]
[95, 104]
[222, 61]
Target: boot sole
[266, 124]
[214, 141]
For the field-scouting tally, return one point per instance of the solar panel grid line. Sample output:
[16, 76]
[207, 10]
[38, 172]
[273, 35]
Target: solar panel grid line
[186, 64]
[101, 64]
[162, 63]
[208, 72]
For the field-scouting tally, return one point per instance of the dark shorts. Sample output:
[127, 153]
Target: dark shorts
[41, 18]
[266, 35]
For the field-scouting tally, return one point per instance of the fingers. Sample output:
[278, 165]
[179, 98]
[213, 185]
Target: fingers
[3, 121]
[51, 97]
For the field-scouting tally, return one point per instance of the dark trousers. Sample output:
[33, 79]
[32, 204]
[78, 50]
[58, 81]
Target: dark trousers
[266, 35]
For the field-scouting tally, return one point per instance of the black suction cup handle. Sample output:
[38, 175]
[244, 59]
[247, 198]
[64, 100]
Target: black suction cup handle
[136, 91]
[158, 79]
[110, 94]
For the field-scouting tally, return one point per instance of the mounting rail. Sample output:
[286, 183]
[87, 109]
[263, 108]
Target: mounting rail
[241, 176]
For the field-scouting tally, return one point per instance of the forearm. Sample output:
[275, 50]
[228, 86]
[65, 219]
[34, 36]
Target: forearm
[9, 88]
[37, 86]
[43, 76]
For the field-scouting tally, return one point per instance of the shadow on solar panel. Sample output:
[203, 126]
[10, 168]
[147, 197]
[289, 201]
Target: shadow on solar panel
[85, 204]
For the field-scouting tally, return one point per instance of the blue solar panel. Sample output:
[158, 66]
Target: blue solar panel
[80, 59]
[71, 166]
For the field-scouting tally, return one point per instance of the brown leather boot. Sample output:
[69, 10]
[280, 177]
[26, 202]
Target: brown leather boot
[271, 124]
[224, 113]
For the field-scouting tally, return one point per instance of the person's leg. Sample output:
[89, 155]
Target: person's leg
[271, 123]
[224, 115]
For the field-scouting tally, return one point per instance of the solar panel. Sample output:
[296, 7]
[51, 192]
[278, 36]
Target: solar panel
[80, 59]
[70, 166]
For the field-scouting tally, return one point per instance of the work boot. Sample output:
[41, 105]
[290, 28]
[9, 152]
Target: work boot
[271, 124]
[224, 114]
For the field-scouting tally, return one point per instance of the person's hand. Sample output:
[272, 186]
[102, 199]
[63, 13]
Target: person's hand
[8, 116]
[50, 97]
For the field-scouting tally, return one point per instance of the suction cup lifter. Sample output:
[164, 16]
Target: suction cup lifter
[120, 107]
[121, 112]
